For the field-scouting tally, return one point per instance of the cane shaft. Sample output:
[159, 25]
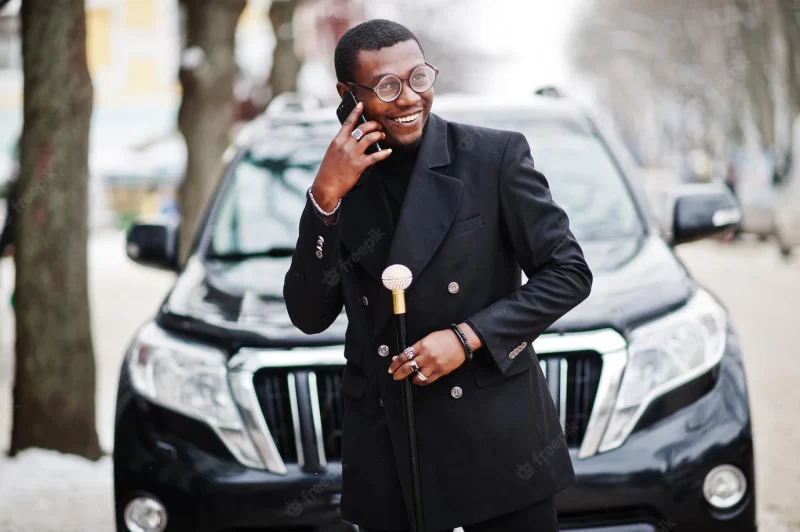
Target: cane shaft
[408, 411]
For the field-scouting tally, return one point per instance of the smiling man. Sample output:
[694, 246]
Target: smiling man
[464, 209]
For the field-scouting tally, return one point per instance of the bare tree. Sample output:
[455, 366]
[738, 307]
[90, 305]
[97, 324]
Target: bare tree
[789, 16]
[54, 387]
[685, 65]
[756, 44]
[208, 70]
[446, 45]
[285, 62]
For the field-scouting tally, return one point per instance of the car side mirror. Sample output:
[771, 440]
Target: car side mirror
[154, 245]
[703, 210]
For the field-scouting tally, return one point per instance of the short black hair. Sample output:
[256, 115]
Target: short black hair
[370, 35]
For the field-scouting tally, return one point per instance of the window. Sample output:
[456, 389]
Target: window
[262, 205]
[98, 39]
[580, 171]
[141, 14]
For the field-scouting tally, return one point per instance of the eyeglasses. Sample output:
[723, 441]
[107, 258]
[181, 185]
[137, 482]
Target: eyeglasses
[390, 86]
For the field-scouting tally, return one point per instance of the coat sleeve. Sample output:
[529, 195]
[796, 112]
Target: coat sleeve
[312, 288]
[538, 231]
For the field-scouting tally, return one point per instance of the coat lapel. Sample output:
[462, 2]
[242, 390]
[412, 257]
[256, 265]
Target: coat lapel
[428, 210]
[367, 224]
[430, 203]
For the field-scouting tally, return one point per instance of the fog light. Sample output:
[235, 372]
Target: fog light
[145, 514]
[725, 486]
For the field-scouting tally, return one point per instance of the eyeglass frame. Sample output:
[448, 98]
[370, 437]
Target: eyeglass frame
[375, 88]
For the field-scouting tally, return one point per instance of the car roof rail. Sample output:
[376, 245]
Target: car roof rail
[291, 102]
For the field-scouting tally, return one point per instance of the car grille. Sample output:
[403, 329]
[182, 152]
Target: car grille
[573, 379]
[303, 410]
[303, 406]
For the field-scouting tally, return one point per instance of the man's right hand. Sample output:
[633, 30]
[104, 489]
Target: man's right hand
[345, 160]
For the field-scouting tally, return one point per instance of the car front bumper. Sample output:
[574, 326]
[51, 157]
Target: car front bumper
[186, 468]
[652, 483]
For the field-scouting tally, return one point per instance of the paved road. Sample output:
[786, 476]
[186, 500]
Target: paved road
[761, 291]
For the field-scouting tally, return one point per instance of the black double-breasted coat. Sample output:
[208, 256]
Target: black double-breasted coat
[475, 212]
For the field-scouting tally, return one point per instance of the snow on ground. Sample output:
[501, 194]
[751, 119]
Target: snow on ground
[46, 491]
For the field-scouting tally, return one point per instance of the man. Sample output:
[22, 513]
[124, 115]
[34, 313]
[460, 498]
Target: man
[463, 221]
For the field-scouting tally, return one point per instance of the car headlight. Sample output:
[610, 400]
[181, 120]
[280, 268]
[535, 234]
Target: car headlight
[191, 379]
[663, 355]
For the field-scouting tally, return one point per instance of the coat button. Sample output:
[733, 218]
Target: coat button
[383, 350]
[364, 301]
[453, 287]
[319, 253]
[381, 401]
[517, 350]
[456, 392]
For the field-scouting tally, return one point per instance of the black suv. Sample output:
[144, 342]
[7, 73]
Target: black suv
[229, 418]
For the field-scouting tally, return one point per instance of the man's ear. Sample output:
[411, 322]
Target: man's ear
[341, 88]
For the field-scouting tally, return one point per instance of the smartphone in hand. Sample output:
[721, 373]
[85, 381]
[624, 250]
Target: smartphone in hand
[349, 103]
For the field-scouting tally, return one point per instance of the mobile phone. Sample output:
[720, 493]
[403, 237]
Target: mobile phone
[349, 103]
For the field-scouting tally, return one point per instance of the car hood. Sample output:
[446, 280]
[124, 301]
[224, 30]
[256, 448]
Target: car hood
[241, 303]
[635, 280]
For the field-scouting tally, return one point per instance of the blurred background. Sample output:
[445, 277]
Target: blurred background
[699, 90]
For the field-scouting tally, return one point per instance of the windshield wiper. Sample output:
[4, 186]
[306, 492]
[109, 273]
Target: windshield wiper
[277, 252]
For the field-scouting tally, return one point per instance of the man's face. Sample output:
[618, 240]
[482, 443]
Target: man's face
[399, 60]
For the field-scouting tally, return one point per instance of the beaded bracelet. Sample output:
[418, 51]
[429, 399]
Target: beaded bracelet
[461, 336]
[319, 209]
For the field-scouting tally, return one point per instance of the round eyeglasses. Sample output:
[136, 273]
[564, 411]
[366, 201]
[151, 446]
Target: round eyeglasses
[390, 86]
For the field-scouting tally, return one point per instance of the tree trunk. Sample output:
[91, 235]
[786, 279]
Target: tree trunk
[757, 48]
[790, 15]
[206, 115]
[54, 387]
[285, 62]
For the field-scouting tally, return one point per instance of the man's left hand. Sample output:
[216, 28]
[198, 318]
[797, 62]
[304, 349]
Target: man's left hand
[437, 354]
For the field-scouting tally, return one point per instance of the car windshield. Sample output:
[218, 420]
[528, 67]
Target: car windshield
[261, 207]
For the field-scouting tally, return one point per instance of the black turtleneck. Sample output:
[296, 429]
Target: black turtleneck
[395, 173]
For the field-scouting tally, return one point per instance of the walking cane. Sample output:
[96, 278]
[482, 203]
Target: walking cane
[397, 278]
